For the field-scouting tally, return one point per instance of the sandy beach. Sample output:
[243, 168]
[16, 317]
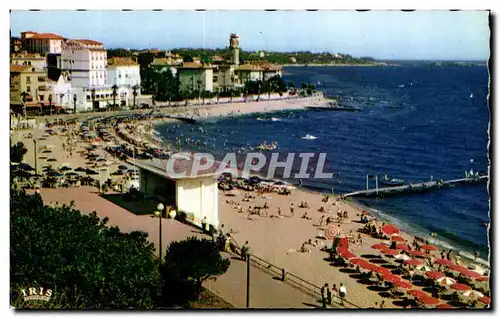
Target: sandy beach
[276, 239]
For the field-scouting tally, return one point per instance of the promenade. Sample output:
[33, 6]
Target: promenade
[265, 292]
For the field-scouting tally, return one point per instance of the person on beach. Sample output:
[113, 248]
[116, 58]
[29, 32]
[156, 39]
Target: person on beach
[448, 256]
[382, 304]
[476, 255]
[324, 296]
[342, 293]
[321, 221]
[335, 290]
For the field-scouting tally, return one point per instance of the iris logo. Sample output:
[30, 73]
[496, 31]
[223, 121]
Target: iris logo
[34, 293]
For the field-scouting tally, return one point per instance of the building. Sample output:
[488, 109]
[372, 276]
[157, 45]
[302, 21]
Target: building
[195, 76]
[42, 43]
[86, 62]
[196, 196]
[123, 72]
[16, 45]
[234, 46]
[28, 87]
[59, 86]
[31, 59]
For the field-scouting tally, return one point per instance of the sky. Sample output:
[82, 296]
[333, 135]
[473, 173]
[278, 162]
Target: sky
[440, 35]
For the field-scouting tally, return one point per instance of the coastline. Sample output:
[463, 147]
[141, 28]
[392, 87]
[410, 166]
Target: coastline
[339, 65]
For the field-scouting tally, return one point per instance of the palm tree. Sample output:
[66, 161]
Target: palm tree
[231, 92]
[115, 92]
[134, 92]
[92, 96]
[23, 96]
[50, 104]
[74, 103]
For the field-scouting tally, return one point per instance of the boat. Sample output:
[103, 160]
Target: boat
[334, 106]
[392, 181]
[309, 137]
[471, 95]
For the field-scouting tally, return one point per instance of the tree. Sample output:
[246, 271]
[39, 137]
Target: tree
[86, 264]
[134, 93]
[92, 96]
[23, 96]
[17, 152]
[192, 262]
[114, 93]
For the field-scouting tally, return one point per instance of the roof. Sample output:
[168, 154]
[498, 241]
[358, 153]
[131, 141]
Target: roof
[180, 166]
[121, 61]
[190, 65]
[88, 42]
[48, 36]
[29, 32]
[19, 68]
[162, 61]
[217, 58]
[27, 56]
[249, 67]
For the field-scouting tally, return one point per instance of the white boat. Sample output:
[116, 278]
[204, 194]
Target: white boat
[401, 86]
[471, 95]
[309, 137]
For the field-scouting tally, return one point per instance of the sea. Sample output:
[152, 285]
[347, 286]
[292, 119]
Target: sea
[417, 122]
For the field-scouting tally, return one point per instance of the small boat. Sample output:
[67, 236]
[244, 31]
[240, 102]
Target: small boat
[392, 181]
[309, 137]
[401, 86]
[266, 147]
[471, 95]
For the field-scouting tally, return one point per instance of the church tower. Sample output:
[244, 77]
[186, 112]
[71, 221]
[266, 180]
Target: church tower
[234, 46]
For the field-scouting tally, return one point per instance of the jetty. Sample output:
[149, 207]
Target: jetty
[415, 187]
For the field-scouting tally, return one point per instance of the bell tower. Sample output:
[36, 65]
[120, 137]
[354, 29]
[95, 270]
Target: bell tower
[234, 46]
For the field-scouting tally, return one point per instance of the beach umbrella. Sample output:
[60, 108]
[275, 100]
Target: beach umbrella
[403, 257]
[417, 293]
[444, 306]
[483, 279]
[457, 268]
[434, 274]
[470, 274]
[332, 231]
[417, 254]
[442, 261]
[380, 246]
[397, 238]
[101, 160]
[24, 166]
[445, 281]
[424, 268]
[403, 247]
[413, 261]
[122, 167]
[47, 151]
[428, 301]
[461, 287]
[428, 247]
[92, 172]
[390, 252]
[358, 261]
[485, 299]
[388, 277]
[51, 160]
[403, 284]
[346, 254]
[367, 265]
[65, 168]
[54, 174]
[381, 270]
[80, 169]
[473, 294]
[390, 229]
[72, 174]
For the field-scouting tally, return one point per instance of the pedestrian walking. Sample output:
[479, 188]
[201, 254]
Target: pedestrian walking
[342, 293]
[324, 290]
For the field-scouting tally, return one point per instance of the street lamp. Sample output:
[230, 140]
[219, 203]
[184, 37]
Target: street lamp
[248, 254]
[159, 213]
[36, 162]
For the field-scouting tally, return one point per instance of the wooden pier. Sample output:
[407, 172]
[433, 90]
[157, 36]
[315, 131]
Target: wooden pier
[414, 187]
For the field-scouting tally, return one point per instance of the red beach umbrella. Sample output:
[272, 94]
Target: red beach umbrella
[417, 254]
[417, 293]
[473, 294]
[381, 270]
[388, 277]
[413, 262]
[429, 301]
[403, 284]
[444, 306]
[368, 266]
[485, 299]
[380, 246]
[442, 261]
[397, 238]
[428, 247]
[471, 274]
[434, 274]
[346, 254]
[390, 252]
[358, 261]
[483, 279]
[403, 247]
[458, 268]
[446, 281]
[461, 287]
[390, 229]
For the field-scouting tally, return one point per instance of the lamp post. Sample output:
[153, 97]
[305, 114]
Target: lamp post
[36, 162]
[248, 254]
[159, 213]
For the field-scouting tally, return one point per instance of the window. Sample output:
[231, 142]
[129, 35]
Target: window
[41, 97]
[41, 78]
[28, 80]
[28, 89]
